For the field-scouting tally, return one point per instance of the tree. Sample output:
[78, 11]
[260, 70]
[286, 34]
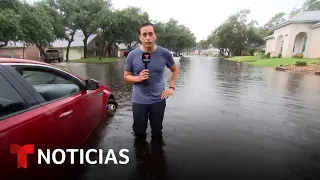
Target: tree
[235, 34]
[174, 36]
[130, 19]
[311, 5]
[294, 12]
[66, 10]
[109, 30]
[10, 21]
[276, 19]
[203, 44]
[10, 25]
[86, 15]
[40, 25]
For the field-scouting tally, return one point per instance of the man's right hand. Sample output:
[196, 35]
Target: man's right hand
[144, 74]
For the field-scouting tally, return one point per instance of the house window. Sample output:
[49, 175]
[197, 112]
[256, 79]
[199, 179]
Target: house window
[281, 46]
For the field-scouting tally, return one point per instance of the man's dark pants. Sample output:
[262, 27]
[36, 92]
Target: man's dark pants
[153, 112]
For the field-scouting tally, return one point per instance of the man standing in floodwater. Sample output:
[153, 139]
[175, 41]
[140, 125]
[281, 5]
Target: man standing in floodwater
[149, 102]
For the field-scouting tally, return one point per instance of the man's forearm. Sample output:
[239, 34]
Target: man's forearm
[132, 79]
[174, 78]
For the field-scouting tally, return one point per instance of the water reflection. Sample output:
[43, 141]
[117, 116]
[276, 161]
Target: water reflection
[151, 162]
[223, 121]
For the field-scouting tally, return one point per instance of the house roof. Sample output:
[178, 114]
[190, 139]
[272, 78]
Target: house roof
[121, 46]
[315, 25]
[269, 37]
[211, 49]
[77, 41]
[304, 17]
[13, 44]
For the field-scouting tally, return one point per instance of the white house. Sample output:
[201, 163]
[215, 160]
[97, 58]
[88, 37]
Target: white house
[299, 34]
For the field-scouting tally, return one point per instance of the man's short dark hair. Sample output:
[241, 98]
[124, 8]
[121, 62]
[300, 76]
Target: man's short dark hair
[147, 24]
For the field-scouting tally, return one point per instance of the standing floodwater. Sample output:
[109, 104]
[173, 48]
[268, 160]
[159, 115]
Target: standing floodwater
[223, 121]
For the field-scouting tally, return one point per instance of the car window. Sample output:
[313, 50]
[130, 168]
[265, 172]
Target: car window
[40, 77]
[51, 84]
[10, 100]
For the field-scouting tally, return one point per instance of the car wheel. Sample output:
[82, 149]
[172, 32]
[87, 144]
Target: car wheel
[112, 107]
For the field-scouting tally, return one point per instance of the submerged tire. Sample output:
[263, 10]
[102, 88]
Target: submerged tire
[112, 107]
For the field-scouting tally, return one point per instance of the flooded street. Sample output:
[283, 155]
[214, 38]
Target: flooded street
[224, 121]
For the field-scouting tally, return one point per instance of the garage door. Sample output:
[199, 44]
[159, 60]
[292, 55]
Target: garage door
[74, 53]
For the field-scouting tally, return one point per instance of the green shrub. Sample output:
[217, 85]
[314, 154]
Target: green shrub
[301, 63]
[295, 56]
[280, 55]
[251, 51]
[263, 56]
[268, 55]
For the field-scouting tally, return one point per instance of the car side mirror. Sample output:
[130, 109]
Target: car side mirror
[92, 84]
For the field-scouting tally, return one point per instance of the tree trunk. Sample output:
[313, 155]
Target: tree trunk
[43, 53]
[101, 49]
[24, 47]
[69, 44]
[85, 47]
[68, 49]
[109, 49]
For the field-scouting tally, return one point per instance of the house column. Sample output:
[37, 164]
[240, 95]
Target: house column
[305, 54]
[289, 45]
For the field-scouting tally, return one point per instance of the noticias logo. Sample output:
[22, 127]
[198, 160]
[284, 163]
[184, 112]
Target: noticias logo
[23, 151]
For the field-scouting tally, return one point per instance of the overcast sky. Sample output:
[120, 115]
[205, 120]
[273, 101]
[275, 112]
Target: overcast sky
[208, 14]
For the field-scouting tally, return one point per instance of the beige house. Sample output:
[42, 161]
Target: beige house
[76, 47]
[122, 48]
[299, 34]
[210, 51]
[20, 50]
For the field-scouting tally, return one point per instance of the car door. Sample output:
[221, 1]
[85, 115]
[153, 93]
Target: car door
[22, 121]
[76, 109]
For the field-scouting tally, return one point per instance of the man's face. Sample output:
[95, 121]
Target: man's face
[147, 36]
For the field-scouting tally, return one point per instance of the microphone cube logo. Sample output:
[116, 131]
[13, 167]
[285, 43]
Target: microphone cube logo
[22, 153]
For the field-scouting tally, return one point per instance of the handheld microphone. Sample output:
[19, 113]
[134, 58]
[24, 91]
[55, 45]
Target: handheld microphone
[146, 58]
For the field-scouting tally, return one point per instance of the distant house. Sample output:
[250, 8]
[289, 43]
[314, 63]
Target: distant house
[299, 34]
[122, 48]
[20, 50]
[210, 51]
[76, 47]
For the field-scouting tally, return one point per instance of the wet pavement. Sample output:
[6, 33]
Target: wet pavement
[225, 121]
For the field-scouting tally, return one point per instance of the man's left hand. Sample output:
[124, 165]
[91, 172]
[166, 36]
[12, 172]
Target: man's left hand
[166, 93]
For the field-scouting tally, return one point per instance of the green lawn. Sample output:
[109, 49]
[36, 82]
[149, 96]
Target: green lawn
[272, 62]
[280, 61]
[94, 60]
[244, 58]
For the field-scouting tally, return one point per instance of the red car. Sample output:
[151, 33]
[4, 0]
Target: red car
[44, 105]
